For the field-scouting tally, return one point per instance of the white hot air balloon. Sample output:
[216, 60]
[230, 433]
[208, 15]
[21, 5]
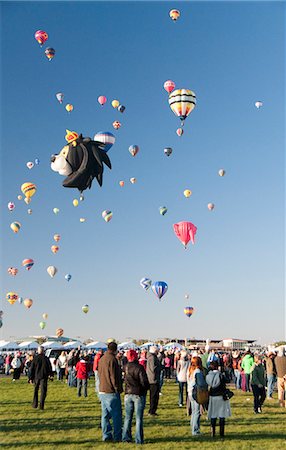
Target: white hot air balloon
[52, 270]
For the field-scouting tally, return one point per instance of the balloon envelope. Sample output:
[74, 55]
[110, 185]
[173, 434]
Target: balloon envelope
[182, 102]
[145, 283]
[107, 215]
[133, 150]
[211, 206]
[159, 288]
[15, 226]
[12, 271]
[59, 332]
[69, 107]
[187, 193]
[188, 310]
[28, 263]
[68, 276]
[115, 103]
[101, 100]
[180, 131]
[50, 53]
[12, 297]
[45, 316]
[85, 309]
[57, 237]
[169, 86]
[28, 303]
[221, 172]
[185, 232]
[168, 151]
[174, 14]
[55, 248]
[41, 36]
[60, 97]
[258, 104]
[106, 138]
[56, 210]
[28, 189]
[116, 124]
[52, 270]
[163, 210]
[42, 325]
[11, 206]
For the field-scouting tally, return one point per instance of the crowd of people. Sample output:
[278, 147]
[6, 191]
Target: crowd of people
[202, 378]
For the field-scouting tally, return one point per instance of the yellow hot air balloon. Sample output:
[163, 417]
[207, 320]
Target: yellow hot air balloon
[45, 316]
[115, 103]
[187, 193]
[15, 226]
[85, 309]
[174, 14]
[12, 297]
[28, 189]
[75, 202]
[55, 248]
[28, 303]
[69, 107]
[182, 102]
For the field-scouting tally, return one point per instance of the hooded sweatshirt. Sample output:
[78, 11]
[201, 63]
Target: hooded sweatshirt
[247, 363]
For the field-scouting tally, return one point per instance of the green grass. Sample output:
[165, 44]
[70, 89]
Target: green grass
[69, 422]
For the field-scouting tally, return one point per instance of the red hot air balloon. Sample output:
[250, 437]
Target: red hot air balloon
[41, 36]
[185, 231]
[102, 100]
[169, 86]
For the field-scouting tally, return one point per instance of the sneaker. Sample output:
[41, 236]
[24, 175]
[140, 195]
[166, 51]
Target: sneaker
[160, 393]
[259, 410]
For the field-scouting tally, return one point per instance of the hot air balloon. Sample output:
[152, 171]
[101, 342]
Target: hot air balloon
[50, 53]
[121, 183]
[45, 316]
[59, 332]
[11, 206]
[258, 104]
[12, 297]
[107, 215]
[185, 231]
[221, 172]
[41, 36]
[145, 283]
[29, 211]
[68, 276]
[168, 151]
[30, 164]
[174, 14]
[85, 309]
[82, 219]
[37, 161]
[57, 237]
[169, 86]
[52, 270]
[101, 100]
[133, 150]
[121, 108]
[20, 300]
[60, 97]
[159, 288]
[15, 226]
[42, 325]
[28, 189]
[75, 202]
[28, 303]
[188, 310]
[55, 248]
[116, 124]
[27, 200]
[12, 271]
[133, 180]
[28, 263]
[115, 103]
[187, 296]
[69, 107]
[180, 132]
[19, 197]
[187, 193]
[163, 210]
[182, 102]
[56, 210]
[106, 138]
[211, 206]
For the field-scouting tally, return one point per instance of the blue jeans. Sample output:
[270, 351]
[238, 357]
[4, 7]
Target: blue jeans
[138, 403]
[271, 380]
[96, 379]
[237, 378]
[182, 387]
[111, 409]
[195, 417]
[81, 383]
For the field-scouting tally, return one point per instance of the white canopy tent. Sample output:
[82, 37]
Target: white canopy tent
[73, 344]
[52, 344]
[147, 345]
[174, 345]
[127, 346]
[96, 345]
[8, 346]
[28, 345]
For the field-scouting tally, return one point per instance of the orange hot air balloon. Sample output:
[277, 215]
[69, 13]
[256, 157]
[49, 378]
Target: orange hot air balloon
[57, 237]
[174, 14]
[121, 183]
[28, 303]
[59, 332]
[55, 248]
[69, 107]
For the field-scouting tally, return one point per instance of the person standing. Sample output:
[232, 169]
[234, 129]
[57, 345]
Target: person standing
[258, 384]
[280, 364]
[246, 364]
[136, 386]
[218, 408]
[153, 371]
[182, 371]
[16, 364]
[110, 388]
[271, 374]
[41, 370]
[62, 363]
[236, 368]
[8, 359]
[195, 377]
[81, 368]
[97, 357]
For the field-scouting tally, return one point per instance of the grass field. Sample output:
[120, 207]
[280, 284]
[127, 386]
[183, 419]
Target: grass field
[69, 422]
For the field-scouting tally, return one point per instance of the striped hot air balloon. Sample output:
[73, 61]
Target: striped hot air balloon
[41, 37]
[28, 189]
[145, 283]
[182, 102]
[188, 310]
[59, 332]
[50, 53]
[15, 226]
[106, 138]
[159, 288]
[28, 263]
[107, 215]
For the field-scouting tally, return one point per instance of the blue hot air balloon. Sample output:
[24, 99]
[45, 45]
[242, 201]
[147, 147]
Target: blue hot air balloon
[106, 138]
[68, 276]
[145, 283]
[159, 288]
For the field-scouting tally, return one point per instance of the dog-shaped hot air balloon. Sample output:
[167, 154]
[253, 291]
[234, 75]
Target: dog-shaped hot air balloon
[80, 161]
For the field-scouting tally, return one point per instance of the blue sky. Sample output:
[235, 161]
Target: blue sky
[230, 55]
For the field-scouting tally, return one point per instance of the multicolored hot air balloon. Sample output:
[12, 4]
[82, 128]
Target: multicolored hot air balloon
[185, 232]
[85, 309]
[169, 86]
[28, 263]
[28, 189]
[11, 206]
[182, 102]
[145, 283]
[106, 138]
[163, 210]
[57, 237]
[12, 297]
[30, 164]
[115, 103]
[50, 53]
[116, 124]
[69, 107]
[60, 97]
[41, 36]
[68, 276]
[101, 100]
[133, 150]
[107, 215]
[168, 151]
[133, 180]
[55, 248]
[12, 271]
[15, 226]
[159, 288]
[59, 332]
[174, 14]
[52, 270]
[42, 325]
[188, 310]
[28, 303]
[180, 132]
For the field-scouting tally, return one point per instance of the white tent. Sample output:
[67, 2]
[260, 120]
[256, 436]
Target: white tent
[8, 346]
[73, 344]
[173, 345]
[148, 345]
[28, 345]
[127, 346]
[96, 345]
[52, 344]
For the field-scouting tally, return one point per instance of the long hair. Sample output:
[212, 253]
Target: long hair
[196, 363]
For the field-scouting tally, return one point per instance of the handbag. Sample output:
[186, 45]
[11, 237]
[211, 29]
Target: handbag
[200, 395]
[228, 394]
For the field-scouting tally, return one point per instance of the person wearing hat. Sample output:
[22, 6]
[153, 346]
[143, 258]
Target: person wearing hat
[110, 388]
[280, 364]
[271, 374]
[153, 373]
[136, 386]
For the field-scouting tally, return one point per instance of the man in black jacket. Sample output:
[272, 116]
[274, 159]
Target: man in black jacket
[41, 370]
[153, 373]
[136, 386]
